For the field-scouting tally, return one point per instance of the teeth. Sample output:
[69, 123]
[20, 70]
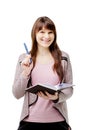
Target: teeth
[46, 40]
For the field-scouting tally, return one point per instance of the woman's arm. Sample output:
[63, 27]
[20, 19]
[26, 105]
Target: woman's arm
[68, 78]
[21, 78]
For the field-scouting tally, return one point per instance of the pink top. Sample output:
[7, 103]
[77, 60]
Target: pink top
[43, 110]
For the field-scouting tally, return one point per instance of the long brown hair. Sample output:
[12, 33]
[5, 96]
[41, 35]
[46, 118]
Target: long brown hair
[54, 49]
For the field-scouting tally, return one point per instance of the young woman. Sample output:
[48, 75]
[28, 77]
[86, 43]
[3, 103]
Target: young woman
[49, 66]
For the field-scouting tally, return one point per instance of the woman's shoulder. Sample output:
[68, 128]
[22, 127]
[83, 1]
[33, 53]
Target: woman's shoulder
[65, 56]
[21, 57]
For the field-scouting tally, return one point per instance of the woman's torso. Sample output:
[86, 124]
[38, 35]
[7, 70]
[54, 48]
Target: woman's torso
[43, 110]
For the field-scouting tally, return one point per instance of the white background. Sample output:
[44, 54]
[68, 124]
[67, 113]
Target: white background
[16, 20]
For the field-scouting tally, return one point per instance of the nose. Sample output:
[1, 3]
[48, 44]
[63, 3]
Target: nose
[46, 35]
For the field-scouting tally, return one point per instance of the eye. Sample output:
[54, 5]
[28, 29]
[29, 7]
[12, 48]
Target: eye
[50, 32]
[41, 31]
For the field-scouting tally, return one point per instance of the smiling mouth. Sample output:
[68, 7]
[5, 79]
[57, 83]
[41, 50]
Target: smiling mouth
[45, 40]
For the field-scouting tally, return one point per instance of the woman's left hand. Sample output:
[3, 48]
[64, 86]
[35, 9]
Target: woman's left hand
[48, 95]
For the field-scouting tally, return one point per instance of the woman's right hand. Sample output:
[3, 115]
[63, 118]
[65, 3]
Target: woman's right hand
[27, 65]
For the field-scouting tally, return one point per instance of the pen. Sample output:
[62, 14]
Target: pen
[26, 48]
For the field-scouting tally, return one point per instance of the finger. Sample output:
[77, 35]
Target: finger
[56, 93]
[25, 63]
[28, 58]
[48, 94]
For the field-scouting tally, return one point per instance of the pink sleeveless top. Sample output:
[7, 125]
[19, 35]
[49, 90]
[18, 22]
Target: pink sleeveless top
[43, 110]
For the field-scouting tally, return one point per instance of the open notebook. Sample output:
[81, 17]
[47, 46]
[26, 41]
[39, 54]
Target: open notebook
[50, 89]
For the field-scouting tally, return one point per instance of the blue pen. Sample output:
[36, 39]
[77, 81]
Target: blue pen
[26, 48]
[27, 51]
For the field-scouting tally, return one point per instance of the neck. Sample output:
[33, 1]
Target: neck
[43, 51]
[44, 56]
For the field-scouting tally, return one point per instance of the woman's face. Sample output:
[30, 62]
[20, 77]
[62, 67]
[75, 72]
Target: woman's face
[45, 37]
